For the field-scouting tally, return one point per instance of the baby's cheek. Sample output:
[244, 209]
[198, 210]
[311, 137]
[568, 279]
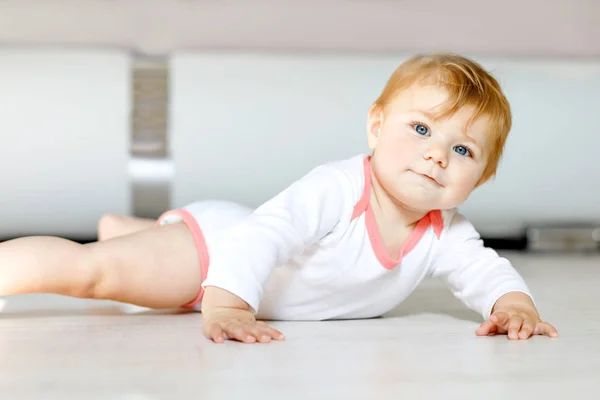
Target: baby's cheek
[463, 185]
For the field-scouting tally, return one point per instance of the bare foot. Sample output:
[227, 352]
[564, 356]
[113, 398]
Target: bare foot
[115, 225]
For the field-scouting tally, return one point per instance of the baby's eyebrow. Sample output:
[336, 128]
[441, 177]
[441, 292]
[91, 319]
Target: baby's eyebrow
[474, 142]
[425, 113]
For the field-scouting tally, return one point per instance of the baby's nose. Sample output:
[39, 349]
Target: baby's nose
[437, 154]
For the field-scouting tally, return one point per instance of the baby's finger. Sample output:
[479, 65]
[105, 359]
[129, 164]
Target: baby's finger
[526, 329]
[514, 326]
[486, 328]
[544, 328]
[263, 328]
[264, 333]
[501, 319]
[240, 333]
[259, 332]
[216, 334]
[274, 333]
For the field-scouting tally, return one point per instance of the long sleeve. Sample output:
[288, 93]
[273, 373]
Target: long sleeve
[476, 275]
[302, 214]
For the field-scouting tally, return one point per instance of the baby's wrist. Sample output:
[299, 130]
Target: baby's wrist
[514, 300]
[215, 298]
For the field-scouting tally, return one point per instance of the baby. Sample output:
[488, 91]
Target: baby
[350, 239]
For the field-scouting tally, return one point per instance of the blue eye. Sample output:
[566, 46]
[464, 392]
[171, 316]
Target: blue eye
[463, 151]
[421, 129]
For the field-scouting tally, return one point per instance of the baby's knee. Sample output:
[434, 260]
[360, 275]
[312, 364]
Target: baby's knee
[86, 274]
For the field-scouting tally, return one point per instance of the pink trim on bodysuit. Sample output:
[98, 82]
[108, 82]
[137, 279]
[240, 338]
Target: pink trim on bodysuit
[200, 244]
[433, 218]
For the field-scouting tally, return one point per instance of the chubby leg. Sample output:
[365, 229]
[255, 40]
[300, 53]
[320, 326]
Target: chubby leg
[114, 225]
[156, 267]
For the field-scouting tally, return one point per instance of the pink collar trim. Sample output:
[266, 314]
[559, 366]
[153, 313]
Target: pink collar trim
[433, 219]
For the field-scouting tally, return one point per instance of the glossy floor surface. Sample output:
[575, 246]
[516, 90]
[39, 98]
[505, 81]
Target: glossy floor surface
[61, 348]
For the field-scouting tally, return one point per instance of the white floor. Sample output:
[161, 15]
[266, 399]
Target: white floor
[61, 348]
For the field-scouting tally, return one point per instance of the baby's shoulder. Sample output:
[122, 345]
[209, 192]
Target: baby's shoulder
[456, 226]
[344, 174]
[352, 167]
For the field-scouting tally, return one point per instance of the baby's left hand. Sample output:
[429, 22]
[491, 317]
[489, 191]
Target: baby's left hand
[515, 314]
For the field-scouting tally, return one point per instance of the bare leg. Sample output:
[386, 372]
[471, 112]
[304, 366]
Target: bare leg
[115, 225]
[155, 267]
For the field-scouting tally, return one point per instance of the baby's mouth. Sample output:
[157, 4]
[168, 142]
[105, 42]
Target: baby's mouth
[430, 178]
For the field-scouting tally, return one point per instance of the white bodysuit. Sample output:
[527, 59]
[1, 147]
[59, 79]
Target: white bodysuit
[313, 252]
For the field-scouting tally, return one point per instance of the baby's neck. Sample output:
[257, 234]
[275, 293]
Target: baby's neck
[390, 211]
[393, 213]
[395, 223]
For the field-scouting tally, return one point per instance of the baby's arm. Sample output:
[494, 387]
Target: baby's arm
[243, 259]
[487, 283]
[226, 315]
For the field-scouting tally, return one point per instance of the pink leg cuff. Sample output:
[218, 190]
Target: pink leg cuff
[200, 243]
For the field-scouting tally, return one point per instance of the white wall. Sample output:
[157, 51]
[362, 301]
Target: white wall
[64, 140]
[53, 94]
[244, 126]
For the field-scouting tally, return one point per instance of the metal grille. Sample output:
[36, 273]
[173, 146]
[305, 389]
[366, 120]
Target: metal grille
[150, 108]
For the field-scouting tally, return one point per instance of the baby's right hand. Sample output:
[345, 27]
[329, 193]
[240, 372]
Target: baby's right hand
[241, 325]
[226, 316]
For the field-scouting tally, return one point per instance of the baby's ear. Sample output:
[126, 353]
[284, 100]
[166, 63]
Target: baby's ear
[374, 122]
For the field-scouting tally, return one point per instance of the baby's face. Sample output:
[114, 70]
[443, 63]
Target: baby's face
[423, 163]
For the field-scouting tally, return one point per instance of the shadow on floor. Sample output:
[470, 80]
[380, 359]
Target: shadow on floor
[429, 298]
[36, 306]
[432, 298]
